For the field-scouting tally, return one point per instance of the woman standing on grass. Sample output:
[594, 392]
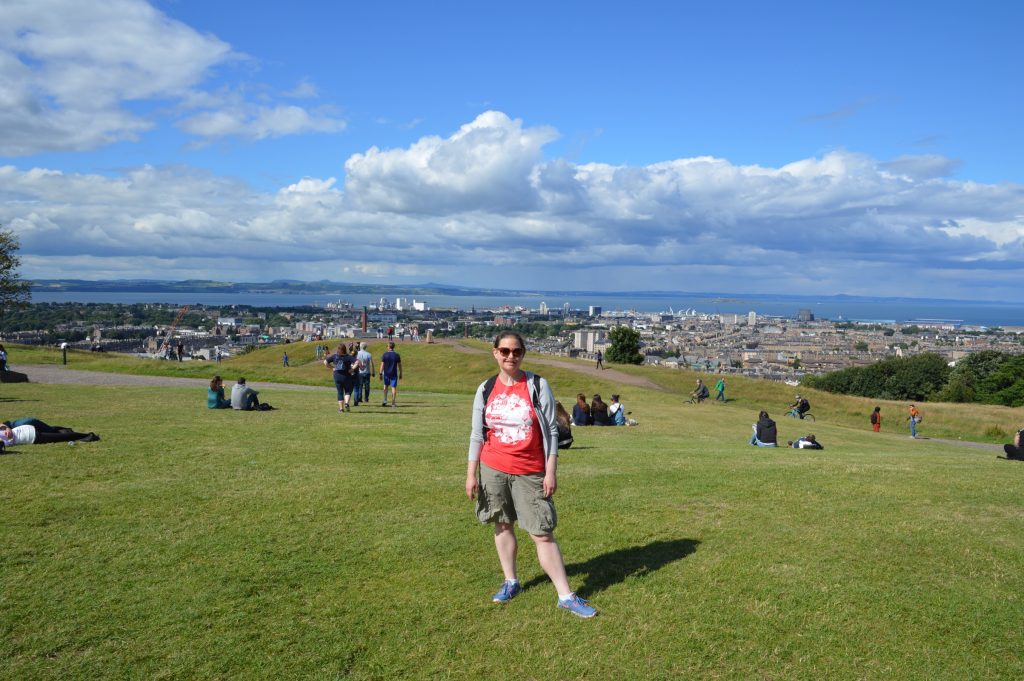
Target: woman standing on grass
[513, 449]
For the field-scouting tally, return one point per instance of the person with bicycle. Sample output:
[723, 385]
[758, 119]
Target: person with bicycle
[700, 392]
[800, 407]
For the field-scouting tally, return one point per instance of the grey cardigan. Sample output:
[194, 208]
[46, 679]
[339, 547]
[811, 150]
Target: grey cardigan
[545, 417]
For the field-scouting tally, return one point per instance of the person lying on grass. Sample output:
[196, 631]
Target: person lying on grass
[32, 431]
[806, 442]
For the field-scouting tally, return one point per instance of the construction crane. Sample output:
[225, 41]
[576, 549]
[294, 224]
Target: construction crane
[171, 329]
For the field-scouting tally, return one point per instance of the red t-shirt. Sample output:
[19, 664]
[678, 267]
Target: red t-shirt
[514, 443]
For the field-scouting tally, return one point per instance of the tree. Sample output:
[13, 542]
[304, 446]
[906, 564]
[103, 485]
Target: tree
[625, 347]
[14, 293]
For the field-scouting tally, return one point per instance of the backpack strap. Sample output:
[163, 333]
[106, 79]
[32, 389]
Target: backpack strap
[488, 389]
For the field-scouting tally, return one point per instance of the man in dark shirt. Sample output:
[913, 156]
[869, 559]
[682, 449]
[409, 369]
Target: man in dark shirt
[390, 373]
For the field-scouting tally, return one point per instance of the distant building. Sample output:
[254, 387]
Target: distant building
[595, 310]
[805, 315]
[566, 309]
[543, 307]
[751, 318]
[588, 339]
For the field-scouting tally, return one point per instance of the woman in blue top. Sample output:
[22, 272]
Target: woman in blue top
[345, 366]
[215, 395]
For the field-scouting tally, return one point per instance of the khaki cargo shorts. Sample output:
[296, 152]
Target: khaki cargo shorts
[507, 498]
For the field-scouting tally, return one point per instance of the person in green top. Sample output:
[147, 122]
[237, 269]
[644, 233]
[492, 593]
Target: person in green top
[215, 395]
[720, 388]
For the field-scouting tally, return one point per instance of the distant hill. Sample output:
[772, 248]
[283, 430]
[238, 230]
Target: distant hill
[325, 287]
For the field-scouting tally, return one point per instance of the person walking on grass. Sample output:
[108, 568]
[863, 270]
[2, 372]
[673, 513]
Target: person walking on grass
[914, 419]
[876, 419]
[365, 373]
[284, 359]
[345, 366]
[512, 469]
[390, 372]
[720, 389]
[600, 360]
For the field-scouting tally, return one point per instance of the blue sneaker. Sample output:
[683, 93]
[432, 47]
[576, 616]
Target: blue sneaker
[507, 592]
[578, 606]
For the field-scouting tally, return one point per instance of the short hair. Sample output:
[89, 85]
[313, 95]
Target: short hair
[242, 380]
[363, 345]
[763, 414]
[391, 345]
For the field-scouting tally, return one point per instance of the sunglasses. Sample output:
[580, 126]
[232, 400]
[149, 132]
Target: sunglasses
[515, 352]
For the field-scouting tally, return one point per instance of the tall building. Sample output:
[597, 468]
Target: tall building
[565, 309]
[595, 310]
[587, 339]
[752, 318]
[805, 315]
[543, 307]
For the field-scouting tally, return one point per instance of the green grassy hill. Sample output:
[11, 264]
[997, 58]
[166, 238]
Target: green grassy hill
[304, 543]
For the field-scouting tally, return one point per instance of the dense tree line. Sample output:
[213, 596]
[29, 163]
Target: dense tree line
[987, 377]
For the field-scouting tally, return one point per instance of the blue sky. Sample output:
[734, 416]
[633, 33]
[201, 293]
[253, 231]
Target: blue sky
[871, 148]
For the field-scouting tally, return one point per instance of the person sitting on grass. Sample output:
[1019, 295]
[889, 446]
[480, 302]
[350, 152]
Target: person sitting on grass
[581, 411]
[765, 433]
[617, 412]
[599, 412]
[215, 395]
[806, 442]
[32, 431]
[244, 398]
[1016, 450]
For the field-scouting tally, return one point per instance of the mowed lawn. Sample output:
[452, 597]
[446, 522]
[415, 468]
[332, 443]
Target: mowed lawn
[302, 543]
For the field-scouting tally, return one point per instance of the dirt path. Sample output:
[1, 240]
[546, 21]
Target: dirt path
[585, 369]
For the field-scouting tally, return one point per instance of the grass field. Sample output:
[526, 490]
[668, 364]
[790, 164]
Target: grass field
[302, 543]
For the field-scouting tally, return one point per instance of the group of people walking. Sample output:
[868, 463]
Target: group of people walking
[353, 371]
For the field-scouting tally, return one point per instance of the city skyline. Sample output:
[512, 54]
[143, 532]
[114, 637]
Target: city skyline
[864, 150]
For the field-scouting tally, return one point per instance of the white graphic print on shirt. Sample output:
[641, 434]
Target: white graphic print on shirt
[508, 417]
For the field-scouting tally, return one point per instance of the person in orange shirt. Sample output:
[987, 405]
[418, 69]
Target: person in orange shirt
[914, 418]
[876, 419]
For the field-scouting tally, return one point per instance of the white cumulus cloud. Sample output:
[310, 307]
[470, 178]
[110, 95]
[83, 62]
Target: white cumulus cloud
[484, 206]
[73, 72]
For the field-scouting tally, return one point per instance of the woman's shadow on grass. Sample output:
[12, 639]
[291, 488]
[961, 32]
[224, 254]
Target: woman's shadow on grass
[615, 566]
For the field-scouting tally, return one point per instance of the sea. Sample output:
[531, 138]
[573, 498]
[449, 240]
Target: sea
[836, 308]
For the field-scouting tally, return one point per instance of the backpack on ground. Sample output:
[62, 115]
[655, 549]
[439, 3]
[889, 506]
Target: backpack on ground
[564, 437]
